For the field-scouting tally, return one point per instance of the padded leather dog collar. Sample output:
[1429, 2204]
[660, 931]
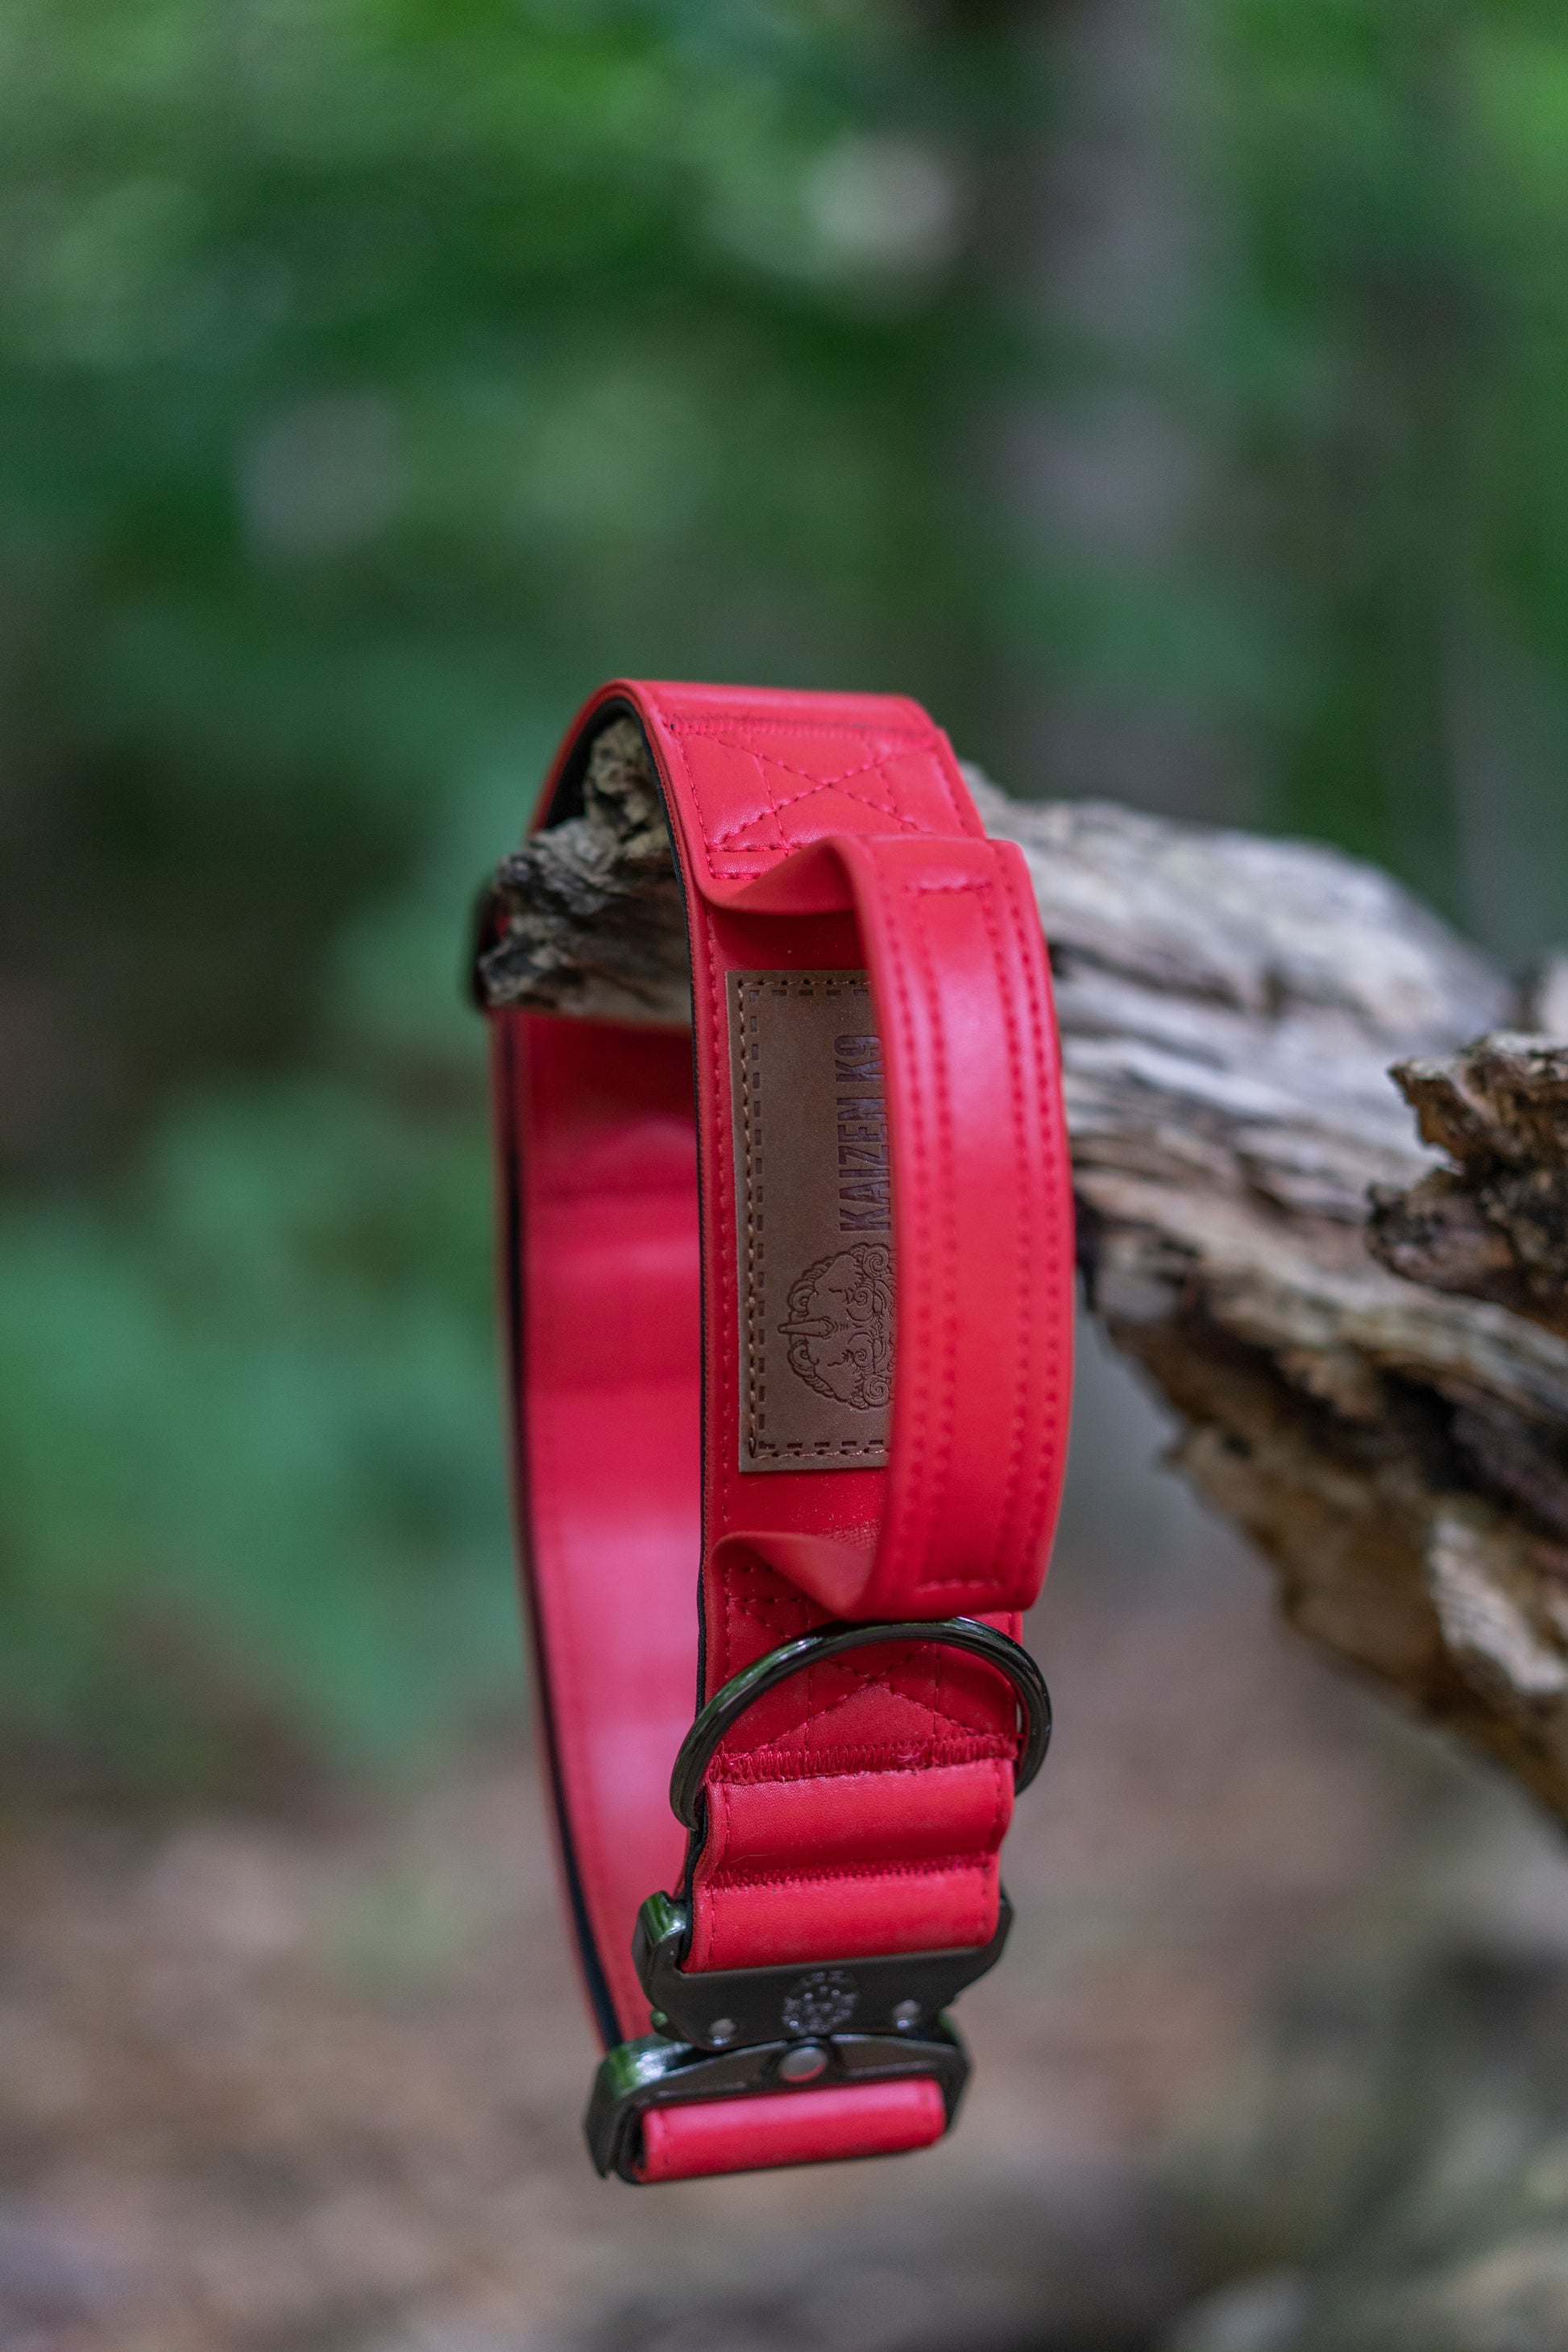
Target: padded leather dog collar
[871, 1005]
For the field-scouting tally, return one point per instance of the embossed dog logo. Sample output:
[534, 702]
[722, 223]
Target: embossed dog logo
[840, 1326]
[820, 2002]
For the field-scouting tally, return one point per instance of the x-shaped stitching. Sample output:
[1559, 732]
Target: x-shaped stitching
[866, 1680]
[765, 1611]
[814, 784]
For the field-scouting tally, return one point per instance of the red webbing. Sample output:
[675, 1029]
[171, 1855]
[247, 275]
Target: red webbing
[789, 2127]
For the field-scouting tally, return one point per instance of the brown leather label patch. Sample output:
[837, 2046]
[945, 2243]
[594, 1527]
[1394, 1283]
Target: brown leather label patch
[813, 1222]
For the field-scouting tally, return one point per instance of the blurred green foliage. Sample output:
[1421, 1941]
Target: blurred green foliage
[1389, 321]
[374, 377]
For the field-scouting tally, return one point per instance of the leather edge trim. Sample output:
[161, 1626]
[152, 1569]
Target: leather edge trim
[514, 1324]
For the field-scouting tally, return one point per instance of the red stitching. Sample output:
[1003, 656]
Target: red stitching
[777, 1767]
[1049, 1451]
[828, 784]
[838, 783]
[782, 1626]
[739, 1879]
[779, 1614]
[938, 1482]
[687, 723]
[726, 1210]
[753, 1249]
[1001, 1809]
[717, 1791]
[1024, 1327]
[781, 845]
[864, 1680]
[789, 1765]
[721, 730]
[915, 1453]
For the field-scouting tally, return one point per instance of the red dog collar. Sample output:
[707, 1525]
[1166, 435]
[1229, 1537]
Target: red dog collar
[702, 1350]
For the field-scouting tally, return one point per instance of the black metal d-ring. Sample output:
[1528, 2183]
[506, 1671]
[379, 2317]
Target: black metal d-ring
[727, 1705]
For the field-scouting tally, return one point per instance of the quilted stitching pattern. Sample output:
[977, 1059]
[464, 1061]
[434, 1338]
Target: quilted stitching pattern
[936, 1694]
[764, 786]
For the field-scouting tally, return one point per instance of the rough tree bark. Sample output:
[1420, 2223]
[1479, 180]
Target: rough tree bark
[1362, 1328]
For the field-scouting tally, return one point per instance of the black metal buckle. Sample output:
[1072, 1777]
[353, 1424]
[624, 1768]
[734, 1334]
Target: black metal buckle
[736, 2033]
[726, 2009]
[653, 2072]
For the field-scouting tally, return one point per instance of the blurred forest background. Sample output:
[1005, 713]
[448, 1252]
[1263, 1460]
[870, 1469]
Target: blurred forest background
[1171, 393]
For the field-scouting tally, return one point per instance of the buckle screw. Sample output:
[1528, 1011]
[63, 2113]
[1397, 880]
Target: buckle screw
[906, 2014]
[722, 2030]
[803, 2064]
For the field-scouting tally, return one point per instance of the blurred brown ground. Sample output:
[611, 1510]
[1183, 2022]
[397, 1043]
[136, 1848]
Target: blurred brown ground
[313, 2085]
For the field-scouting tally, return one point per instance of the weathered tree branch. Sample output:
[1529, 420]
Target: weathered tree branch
[1367, 1348]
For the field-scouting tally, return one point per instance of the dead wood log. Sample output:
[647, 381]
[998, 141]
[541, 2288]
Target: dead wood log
[1362, 1329]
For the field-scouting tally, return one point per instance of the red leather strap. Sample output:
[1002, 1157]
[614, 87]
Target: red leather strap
[859, 1808]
